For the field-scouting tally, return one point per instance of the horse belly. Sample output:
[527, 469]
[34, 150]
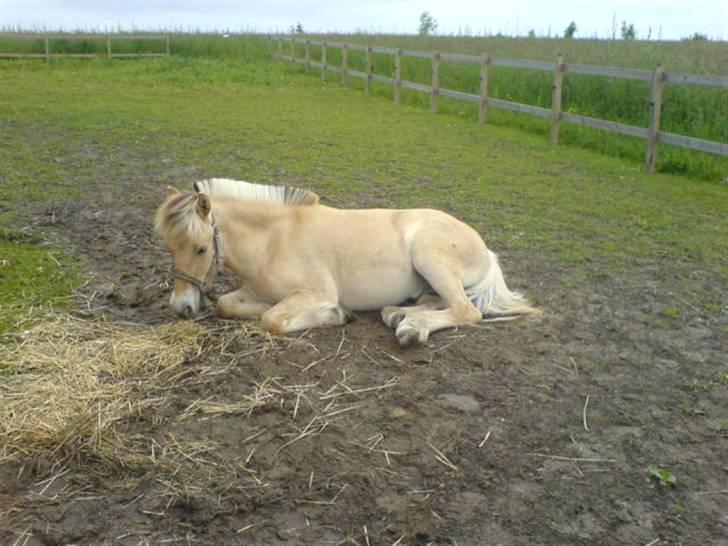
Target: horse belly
[372, 290]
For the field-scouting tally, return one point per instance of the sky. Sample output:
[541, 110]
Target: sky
[665, 19]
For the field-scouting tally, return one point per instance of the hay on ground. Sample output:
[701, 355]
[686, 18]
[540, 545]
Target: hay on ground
[73, 383]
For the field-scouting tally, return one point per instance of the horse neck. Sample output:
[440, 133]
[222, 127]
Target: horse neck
[247, 228]
[237, 214]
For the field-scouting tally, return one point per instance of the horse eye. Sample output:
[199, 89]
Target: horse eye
[202, 250]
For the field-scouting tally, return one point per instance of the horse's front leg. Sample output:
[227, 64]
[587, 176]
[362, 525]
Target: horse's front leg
[240, 304]
[302, 309]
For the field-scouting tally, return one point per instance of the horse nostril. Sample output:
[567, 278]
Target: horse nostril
[187, 311]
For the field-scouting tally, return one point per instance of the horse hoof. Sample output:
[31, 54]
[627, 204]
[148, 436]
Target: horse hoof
[408, 336]
[392, 318]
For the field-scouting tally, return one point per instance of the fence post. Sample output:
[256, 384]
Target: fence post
[368, 78]
[483, 104]
[293, 49]
[345, 64]
[108, 46]
[397, 74]
[167, 39]
[307, 57]
[280, 48]
[556, 99]
[323, 61]
[435, 81]
[47, 50]
[653, 131]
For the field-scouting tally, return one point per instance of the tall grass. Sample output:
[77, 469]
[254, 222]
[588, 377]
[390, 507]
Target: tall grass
[690, 56]
[687, 110]
[244, 47]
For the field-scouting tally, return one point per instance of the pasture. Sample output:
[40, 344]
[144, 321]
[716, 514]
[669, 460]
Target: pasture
[604, 423]
[688, 110]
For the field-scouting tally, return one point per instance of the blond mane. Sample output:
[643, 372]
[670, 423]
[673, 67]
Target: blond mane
[239, 189]
[177, 215]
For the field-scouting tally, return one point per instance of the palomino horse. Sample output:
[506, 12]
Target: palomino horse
[304, 265]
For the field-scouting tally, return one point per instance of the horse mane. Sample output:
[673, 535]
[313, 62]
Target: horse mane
[239, 189]
[177, 215]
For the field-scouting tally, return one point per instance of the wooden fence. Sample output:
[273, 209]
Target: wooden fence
[48, 40]
[658, 79]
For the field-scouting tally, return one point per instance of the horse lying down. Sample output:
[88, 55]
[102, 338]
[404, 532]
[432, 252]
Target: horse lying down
[305, 265]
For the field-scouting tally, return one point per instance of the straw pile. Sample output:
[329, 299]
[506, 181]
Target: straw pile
[76, 384]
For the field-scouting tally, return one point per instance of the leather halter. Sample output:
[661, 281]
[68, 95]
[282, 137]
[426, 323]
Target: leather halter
[218, 255]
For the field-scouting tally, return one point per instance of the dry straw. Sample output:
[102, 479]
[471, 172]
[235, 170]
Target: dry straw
[75, 383]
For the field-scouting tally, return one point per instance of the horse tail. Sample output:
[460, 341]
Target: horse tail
[495, 300]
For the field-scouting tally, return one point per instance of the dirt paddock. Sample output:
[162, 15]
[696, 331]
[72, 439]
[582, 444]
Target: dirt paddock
[524, 433]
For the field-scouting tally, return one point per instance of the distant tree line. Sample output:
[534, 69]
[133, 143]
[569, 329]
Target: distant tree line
[628, 32]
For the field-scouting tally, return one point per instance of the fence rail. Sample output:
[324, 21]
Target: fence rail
[48, 40]
[657, 78]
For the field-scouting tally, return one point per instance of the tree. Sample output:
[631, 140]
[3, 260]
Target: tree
[531, 33]
[570, 30]
[697, 37]
[628, 32]
[428, 24]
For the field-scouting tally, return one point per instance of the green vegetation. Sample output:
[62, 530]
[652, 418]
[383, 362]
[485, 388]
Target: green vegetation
[244, 48]
[570, 31]
[665, 477]
[31, 278]
[428, 24]
[687, 110]
[671, 312]
[692, 57]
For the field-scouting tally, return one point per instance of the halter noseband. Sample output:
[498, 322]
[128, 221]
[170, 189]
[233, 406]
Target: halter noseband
[216, 259]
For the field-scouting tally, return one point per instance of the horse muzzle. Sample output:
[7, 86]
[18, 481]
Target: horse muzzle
[187, 304]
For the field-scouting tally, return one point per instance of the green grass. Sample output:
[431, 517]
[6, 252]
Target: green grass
[70, 124]
[687, 110]
[699, 56]
[32, 277]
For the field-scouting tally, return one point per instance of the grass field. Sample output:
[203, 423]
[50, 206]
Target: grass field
[687, 110]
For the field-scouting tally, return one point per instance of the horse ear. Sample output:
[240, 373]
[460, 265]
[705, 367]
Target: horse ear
[310, 199]
[203, 205]
[171, 191]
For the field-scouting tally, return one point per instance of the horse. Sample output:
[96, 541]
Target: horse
[305, 265]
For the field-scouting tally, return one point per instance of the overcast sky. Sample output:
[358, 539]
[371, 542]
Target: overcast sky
[669, 19]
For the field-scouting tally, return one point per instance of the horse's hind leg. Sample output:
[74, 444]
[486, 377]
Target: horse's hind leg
[303, 309]
[393, 315]
[445, 277]
[419, 323]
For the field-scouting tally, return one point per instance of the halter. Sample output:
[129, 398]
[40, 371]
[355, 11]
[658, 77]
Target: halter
[218, 255]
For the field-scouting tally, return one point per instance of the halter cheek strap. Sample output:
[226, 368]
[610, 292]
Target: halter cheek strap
[218, 255]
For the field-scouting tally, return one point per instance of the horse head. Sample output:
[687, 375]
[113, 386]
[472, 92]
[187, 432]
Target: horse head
[185, 222]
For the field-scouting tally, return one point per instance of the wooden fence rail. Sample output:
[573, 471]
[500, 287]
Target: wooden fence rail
[48, 39]
[658, 79]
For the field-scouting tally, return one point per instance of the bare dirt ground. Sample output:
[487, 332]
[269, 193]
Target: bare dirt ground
[525, 433]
